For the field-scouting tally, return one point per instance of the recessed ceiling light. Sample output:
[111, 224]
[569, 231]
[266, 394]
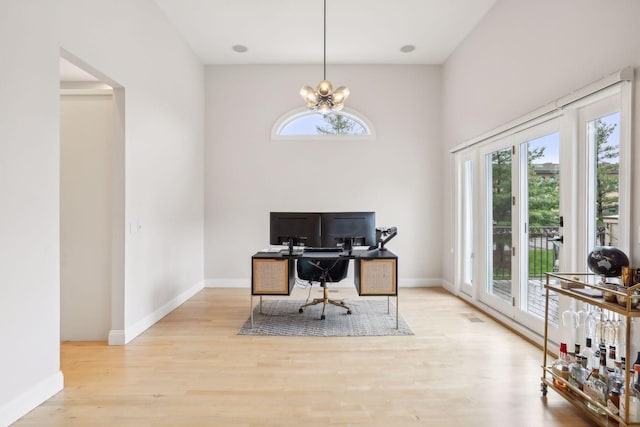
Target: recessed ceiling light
[407, 48]
[239, 48]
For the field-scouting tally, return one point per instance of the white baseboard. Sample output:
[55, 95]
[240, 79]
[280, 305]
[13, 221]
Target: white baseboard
[418, 283]
[227, 283]
[117, 337]
[125, 337]
[445, 284]
[22, 404]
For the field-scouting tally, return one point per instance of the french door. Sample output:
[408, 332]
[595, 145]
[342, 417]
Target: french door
[538, 198]
[523, 224]
[602, 155]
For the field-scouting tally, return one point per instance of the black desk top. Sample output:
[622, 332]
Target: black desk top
[354, 254]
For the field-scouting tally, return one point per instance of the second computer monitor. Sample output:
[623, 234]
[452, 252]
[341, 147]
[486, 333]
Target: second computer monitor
[356, 228]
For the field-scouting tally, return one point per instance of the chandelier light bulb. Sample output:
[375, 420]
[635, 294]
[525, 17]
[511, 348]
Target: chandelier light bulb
[325, 88]
[305, 91]
[324, 107]
[309, 95]
[340, 95]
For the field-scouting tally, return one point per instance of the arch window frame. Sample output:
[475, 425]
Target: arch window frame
[293, 115]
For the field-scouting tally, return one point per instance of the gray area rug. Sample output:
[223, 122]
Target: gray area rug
[368, 318]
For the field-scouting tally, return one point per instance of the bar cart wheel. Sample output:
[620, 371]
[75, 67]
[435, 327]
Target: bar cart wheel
[543, 389]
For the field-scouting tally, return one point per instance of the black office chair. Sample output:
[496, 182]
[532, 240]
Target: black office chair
[323, 271]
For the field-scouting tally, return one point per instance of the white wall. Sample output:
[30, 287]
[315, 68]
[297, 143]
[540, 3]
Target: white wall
[29, 213]
[398, 175]
[132, 44]
[524, 54]
[86, 140]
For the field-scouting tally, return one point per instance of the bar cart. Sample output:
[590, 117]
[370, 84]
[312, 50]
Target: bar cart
[578, 286]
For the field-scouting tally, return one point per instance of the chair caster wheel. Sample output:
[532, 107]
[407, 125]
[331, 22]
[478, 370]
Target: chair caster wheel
[300, 310]
[322, 317]
[348, 311]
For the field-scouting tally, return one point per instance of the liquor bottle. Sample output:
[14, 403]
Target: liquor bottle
[603, 375]
[601, 349]
[613, 398]
[576, 352]
[615, 385]
[636, 379]
[578, 372]
[596, 389]
[603, 372]
[623, 392]
[560, 367]
[634, 398]
[574, 370]
[617, 376]
[611, 359]
[637, 362]
[589, 355]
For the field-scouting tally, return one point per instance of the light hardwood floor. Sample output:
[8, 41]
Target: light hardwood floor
[191, 369]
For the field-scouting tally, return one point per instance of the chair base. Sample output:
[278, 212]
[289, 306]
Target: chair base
[324, 301]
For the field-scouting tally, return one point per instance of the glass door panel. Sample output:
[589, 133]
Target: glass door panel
[540, 163]
[467, 227]
[499, 170]
[603, 139]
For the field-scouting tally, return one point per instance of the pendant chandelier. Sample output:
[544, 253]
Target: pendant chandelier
[324, 99]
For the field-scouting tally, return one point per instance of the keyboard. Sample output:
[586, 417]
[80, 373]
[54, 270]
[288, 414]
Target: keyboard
[336, 249]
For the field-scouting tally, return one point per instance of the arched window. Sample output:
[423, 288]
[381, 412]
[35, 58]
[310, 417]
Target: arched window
[305, 124]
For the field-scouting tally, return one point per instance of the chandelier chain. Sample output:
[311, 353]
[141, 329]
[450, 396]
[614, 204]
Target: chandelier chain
[325, 41]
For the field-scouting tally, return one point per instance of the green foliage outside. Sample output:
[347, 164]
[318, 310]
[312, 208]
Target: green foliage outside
[540, 261]
[544, 199]
[607, 178]
[337, 124]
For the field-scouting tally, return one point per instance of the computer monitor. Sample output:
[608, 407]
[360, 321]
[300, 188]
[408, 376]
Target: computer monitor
[348, 228]
[294, 229]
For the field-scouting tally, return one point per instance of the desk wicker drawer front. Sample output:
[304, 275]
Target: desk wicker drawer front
[377, 277]
[270, 277]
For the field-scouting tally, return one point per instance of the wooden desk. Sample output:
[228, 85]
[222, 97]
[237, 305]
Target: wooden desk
[376, 272]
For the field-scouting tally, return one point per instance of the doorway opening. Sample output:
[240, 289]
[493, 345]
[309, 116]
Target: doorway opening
[91, 204]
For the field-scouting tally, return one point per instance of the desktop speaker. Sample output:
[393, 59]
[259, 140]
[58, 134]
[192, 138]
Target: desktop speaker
[376, 277]
[272, 276]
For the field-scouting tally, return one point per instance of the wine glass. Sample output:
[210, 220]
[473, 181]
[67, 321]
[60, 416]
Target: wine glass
[570, 318]
[609, 332]
[621, 331]
[583, 313]
[600, 331]
[590, 323]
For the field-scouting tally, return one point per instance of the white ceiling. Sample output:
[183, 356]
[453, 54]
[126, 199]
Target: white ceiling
[291, 31]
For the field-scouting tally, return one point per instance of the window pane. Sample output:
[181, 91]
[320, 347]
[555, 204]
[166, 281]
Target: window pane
[604, 140]
[499, 283]
[543, 210]
[467, 210]
[317, 124]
